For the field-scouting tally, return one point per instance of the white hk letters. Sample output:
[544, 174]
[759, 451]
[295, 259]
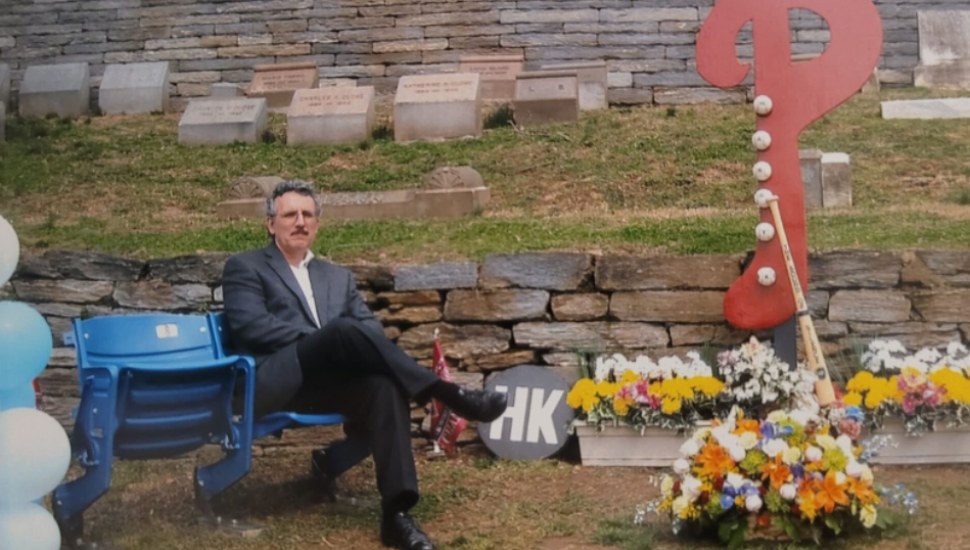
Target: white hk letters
[529, 415]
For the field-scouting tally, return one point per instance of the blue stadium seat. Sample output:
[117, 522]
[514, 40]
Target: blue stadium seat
[159, 385]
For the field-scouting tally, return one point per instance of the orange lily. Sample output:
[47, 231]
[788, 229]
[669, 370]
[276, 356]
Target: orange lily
[713, 460]
[831, 493]
[777, 471]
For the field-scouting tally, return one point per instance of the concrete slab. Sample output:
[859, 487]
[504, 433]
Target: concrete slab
[925, 109]
[134, 88]
[545, 97]
[592, 80]
[437, 106]
[63, 90]
[331, 115]
[497, 74]
[221, 121]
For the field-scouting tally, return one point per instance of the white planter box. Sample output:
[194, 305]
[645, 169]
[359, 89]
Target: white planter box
[944, 446]
[625, 446]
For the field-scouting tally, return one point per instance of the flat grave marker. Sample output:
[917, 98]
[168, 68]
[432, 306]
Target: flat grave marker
[63, 90]
[134, 88]
[343, 114]
[954, 107]
[221, 121]
[437, 106]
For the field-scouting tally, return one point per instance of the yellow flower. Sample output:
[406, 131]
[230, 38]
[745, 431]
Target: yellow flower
[868, 515]
[670, 405]
[621, 405]
[861, 382]
[852, 399]
[583, 395]
[628, 376]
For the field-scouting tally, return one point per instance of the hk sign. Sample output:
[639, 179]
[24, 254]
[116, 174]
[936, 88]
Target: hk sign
[536, 421]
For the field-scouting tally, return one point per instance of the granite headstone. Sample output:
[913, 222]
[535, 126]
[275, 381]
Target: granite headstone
[63, 90]
[592, 82]
[278, 82]
[437, 106]
[134, 88]
[331, 115]
[220, 121]
[944, 49]
[496, 72]
[544, 97]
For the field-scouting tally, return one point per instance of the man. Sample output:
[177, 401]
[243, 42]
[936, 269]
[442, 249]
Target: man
[318, 347]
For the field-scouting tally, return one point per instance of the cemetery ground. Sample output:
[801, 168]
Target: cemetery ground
[673, 180]
[469, 502]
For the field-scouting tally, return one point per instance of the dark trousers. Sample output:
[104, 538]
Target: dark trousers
[356, 371]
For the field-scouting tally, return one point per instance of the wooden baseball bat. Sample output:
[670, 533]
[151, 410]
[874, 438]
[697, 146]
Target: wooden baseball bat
[824, 391]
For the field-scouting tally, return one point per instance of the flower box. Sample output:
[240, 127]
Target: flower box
[945, 445]
[626, 446]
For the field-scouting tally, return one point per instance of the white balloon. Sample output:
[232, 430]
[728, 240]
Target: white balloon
[35, 454]
[28, 527]
[9, 250]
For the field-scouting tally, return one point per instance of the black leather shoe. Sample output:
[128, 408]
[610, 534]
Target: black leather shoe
[480, 405]
[399, 530]
[318, 470]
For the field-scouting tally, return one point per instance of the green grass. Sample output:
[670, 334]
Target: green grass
[675, 180]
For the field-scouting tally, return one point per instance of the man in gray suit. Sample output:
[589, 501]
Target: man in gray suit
[319, 348]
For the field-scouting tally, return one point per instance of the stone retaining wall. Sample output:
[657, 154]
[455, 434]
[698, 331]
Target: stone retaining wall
[538, 308]
[648, 44]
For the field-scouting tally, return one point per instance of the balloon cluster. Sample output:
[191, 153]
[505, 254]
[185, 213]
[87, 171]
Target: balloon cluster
[34, 450]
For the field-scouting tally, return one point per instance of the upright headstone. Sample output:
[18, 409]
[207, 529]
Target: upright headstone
[592, 77]
[134, 88]
[496, 72]
[437, 106]
[544, 97]
[944, 49]
[811, 164]
[278, 82]
[220, 121]
[5, 84]
[836, 180]
[63, 90]
[331, 115]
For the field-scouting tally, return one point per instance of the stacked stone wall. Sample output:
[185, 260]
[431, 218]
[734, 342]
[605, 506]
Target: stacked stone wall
[648, 44]
[547, 309]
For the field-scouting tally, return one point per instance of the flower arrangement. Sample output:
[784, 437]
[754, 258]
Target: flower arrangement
[676, 393]
[757, 380]
[786, 475]
[923, 389]
[671, 393]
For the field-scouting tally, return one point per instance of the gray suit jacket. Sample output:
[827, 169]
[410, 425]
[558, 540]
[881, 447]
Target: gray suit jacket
[267, 314]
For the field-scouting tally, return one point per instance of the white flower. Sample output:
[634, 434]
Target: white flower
[866, 474]
[691, 487]
[735, 480]
[737, 452]
[748, 440]
[679, 506]
[792, 456]
[853, 469]
[813, 454]
[667, 485]
[753, 503]
[690, 448]
[826, 442]
[845, 443]
[681, 466]
[788, 491]
[775, 447]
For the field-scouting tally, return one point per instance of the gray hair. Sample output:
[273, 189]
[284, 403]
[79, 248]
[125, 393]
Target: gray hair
[295, 186]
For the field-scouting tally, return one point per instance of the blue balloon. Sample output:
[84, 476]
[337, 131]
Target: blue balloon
[25, 344]
[21, 396]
